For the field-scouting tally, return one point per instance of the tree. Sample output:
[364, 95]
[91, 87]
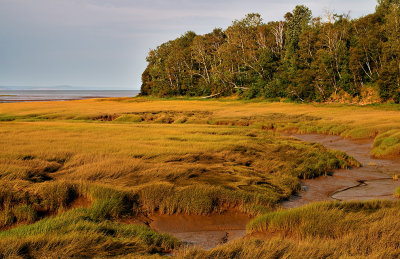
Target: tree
[366, 50]
[389, 78]
[297, 23]
[303, 58]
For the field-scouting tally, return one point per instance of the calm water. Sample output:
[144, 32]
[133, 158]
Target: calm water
[60, 95]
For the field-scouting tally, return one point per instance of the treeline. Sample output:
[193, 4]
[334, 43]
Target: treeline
[300, 57]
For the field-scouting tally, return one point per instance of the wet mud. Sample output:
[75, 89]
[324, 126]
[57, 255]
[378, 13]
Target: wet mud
[203, 231]
[374, 180]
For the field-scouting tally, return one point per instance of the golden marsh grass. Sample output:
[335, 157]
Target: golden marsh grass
[136, 156]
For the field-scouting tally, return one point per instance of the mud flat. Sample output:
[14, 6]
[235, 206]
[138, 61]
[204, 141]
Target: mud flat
[371, 181]
[203, 231]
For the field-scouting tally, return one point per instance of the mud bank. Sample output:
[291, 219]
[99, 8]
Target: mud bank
[371, 181]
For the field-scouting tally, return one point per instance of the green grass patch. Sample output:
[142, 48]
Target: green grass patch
[74, 234]
[397, 192]
[387, 144]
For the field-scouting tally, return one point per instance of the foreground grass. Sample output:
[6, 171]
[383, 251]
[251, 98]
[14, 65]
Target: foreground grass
[321, 230]
[77, 233]
[135, 157]
[74, 232]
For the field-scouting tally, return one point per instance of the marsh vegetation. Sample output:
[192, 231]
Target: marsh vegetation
[81, 178]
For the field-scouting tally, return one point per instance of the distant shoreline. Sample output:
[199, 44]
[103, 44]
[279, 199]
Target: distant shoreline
[53, 100]
[14, 96]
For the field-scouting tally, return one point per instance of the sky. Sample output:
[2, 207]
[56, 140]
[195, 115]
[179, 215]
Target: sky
[103, 44]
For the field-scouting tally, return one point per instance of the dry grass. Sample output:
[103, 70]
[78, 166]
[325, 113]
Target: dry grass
[237, 166]
[347, 120]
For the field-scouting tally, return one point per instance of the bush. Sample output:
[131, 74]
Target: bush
[396, 98]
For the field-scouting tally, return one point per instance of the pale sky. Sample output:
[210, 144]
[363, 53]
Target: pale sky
[104, 43]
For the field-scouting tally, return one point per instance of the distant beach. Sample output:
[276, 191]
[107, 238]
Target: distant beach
[10, 96]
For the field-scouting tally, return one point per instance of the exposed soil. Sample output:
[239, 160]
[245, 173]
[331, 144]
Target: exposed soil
[203, 231]
[374, 180]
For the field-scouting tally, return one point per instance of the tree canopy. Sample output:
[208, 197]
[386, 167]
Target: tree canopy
[300, 57]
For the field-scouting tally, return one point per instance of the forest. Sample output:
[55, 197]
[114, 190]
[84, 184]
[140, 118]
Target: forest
[302, 58]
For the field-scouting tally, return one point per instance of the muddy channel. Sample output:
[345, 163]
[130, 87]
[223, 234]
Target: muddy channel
[374, 180]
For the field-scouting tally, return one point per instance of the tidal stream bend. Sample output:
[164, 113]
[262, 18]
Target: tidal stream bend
[371, 181]
[374, 180]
